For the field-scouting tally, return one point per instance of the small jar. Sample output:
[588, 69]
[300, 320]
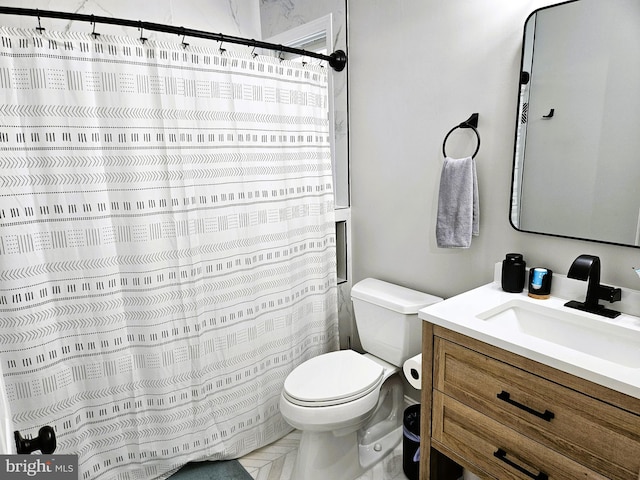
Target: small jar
[513, 273]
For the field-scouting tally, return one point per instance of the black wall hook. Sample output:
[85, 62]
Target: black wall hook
[550, 114]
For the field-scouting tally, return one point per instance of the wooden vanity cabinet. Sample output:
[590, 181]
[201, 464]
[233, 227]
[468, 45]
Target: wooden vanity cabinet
[504, 416]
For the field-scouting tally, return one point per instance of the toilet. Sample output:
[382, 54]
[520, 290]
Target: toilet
[349, 405]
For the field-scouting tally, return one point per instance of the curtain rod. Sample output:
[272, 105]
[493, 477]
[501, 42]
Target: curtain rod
[337, 60]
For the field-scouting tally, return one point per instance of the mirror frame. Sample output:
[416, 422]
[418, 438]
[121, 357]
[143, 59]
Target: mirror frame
[521, 75]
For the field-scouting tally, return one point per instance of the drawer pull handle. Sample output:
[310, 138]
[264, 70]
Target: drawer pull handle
[505, 396]
[502, 455]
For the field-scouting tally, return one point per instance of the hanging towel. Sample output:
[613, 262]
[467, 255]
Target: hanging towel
[458, 210]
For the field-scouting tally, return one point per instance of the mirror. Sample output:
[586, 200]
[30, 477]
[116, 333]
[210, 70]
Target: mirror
[576, 170]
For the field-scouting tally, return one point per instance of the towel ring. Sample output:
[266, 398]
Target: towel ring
[471, 123]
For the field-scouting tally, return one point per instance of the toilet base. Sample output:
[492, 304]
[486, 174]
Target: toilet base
[374, 452]
[340, 458]
[340, 455]
[322, 456]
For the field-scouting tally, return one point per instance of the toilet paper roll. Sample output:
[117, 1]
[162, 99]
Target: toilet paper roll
[412, 369]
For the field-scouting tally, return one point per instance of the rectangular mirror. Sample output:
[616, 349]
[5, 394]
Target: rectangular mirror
[576, 170]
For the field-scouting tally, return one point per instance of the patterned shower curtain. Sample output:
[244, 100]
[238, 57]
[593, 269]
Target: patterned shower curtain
[167, 249]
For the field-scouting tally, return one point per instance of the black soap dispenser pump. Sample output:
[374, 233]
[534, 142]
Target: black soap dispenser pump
[513, 273]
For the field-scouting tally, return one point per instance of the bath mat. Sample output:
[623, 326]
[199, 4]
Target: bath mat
[220, 470]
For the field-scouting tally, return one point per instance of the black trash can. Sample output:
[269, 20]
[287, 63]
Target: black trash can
[411, 442]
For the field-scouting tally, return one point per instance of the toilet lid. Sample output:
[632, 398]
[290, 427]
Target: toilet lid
[333, 378]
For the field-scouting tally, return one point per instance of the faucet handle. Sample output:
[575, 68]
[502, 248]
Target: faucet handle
[610, 294]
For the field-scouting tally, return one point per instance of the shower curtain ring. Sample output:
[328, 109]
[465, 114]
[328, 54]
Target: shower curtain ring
[143, 39]
[39, 28]
[220, 49]
[184, 36]
[94, 34]
[253, 50]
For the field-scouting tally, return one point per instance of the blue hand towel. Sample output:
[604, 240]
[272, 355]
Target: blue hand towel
[458, 210]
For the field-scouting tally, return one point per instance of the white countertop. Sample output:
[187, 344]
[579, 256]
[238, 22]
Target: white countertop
[461, 314]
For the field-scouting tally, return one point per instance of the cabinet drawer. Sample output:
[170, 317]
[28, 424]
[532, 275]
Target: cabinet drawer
[598, 435]
[497, 449]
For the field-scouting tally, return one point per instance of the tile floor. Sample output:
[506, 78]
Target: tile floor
[275, 462]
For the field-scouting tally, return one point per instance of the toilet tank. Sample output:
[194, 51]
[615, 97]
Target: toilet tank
[387, 319]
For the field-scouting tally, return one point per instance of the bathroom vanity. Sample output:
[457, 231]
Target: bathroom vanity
[516, 388]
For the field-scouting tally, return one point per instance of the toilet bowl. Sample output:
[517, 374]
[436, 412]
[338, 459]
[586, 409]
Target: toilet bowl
[349, 405]
[348, 430]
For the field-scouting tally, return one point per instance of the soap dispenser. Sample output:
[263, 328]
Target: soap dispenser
[513, 273]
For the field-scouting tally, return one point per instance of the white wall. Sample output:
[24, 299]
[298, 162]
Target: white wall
[232, 17]
[416, 69]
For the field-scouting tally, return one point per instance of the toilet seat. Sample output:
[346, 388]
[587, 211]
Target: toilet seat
[333, 378]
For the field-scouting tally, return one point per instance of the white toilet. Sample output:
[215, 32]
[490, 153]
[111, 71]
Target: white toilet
[349, 405]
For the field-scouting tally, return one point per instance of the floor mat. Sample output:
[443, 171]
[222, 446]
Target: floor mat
[220, 470]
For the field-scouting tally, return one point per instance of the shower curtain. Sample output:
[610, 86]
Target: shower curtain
[167, 250]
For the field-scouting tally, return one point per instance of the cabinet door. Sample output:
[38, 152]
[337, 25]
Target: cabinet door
[497, 449]
[596, 434]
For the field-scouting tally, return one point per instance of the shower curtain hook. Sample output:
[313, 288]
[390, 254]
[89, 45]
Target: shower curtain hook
[94, 34]
[253, 50]
[39, 28]
[142, 38]
[184, 36]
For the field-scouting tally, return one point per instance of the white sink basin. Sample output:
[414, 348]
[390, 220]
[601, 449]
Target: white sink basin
[585, 333]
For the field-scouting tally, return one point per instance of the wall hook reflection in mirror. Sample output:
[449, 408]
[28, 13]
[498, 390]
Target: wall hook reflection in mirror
[472, 123]
[550, 114]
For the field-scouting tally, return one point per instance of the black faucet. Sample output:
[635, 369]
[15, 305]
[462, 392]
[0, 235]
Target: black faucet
[587, 268]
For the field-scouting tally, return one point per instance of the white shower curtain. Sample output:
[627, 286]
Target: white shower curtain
[167, 249]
